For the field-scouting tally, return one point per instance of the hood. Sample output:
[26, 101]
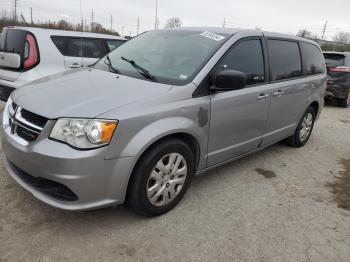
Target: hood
[85, 93]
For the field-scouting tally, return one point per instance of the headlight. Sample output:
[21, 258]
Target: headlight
[84, 133]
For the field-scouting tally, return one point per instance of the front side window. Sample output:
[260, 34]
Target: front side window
[285, 60]
[246, 57]
[313, 59]
[171, 56]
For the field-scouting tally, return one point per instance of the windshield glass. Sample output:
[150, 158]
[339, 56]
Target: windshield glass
[170, 56]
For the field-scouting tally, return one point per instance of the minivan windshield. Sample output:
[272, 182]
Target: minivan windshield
[170, 56]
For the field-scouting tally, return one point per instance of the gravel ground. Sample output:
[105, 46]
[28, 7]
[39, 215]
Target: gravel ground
[281, 204]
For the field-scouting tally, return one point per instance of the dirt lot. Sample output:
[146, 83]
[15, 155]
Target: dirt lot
[281, 204]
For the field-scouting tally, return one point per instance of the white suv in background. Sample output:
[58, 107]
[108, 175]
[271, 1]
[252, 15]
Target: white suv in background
[27, 54]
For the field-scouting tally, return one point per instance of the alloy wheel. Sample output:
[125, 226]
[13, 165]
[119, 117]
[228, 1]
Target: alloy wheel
[166, 179]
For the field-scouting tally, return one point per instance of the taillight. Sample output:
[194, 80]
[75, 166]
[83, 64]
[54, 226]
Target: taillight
[30, 52]
[344, 69]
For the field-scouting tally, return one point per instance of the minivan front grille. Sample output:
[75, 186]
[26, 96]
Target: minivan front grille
[25, 124]
[34, 118]
[26, 134]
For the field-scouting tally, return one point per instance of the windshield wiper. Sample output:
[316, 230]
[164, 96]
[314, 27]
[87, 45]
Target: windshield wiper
[140, 69]
[110, 66]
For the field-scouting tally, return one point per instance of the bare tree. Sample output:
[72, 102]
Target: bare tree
[342, 37]
[304, 33]
[173, 22]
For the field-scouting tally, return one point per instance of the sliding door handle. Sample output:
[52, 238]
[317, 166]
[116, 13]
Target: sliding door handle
[263, 96]
[278, 93]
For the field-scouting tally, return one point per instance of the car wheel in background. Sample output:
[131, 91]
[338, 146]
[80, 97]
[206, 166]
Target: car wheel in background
[345, 102]
[161, 178]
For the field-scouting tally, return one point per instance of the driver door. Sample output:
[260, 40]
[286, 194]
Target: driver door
[238, 117]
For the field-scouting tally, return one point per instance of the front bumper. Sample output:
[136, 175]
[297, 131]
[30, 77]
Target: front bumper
[95, 181]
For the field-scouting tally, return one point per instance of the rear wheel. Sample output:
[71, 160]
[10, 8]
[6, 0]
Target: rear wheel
[304, 129]
[161, 178]
[344, 102]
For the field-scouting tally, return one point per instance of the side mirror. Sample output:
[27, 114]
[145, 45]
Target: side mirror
[229, 80]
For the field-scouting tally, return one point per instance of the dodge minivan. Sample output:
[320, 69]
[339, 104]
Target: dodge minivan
[28, 53]
[163, 107]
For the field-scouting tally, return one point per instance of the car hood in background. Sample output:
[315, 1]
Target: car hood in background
[84, 93]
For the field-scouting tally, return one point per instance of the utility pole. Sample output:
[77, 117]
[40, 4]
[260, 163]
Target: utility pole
[92, 15]
[224, 23]
[31, 15]
[156, 18]
[111, 23]
[122, 30]
[138, 26]
[324, 29]
[15, 4]
[92, 20]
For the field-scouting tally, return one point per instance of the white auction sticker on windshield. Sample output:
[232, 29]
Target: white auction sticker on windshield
[212, 36]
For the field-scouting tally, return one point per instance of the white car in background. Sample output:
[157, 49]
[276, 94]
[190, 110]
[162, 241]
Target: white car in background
[27, 54]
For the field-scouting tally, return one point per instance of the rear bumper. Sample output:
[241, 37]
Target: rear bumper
[337, 92]
[66, 178]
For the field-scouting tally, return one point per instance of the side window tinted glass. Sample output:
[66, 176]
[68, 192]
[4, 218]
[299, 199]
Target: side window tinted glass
[93, 48]
[285, 59]
[113, 44]
[313, 59]
[74, 47]
[246, 57]
[86, 47]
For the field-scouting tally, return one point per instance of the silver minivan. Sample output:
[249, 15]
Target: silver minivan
[163, 107]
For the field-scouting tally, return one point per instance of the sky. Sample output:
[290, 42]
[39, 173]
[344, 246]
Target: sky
[270, 15]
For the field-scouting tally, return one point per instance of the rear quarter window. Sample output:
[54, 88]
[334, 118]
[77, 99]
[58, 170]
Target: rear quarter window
[313, 59]
[59, 42]
[285, 59]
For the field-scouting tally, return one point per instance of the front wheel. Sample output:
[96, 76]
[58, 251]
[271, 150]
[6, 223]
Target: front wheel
[161, 178]
[304, 129]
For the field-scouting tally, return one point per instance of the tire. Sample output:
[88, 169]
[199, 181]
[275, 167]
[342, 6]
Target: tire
[299, 139]
[147, 175]
[344, 102]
